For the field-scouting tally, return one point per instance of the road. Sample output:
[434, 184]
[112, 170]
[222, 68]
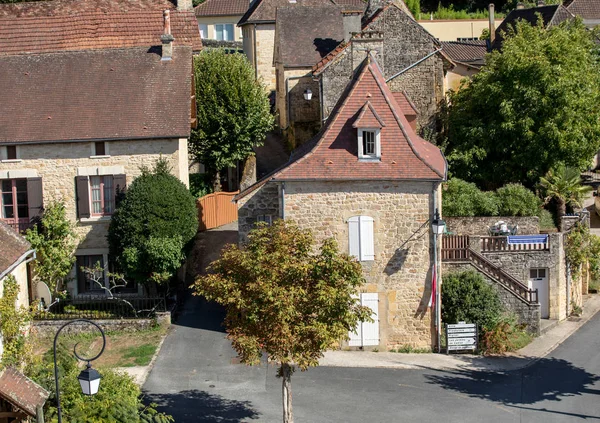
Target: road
[197, 379]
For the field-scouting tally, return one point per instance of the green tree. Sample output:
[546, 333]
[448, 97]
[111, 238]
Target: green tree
[461, 198]
[285, 298]
[153, 226]
[415, 7]
[54, 241]
[564, 186]
[535, 105]
[516, 200]
[233, 111]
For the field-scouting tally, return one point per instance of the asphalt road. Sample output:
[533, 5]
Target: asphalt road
[196, 379]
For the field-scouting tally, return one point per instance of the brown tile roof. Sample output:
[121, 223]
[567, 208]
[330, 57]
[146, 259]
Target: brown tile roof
[12, 246]
[407, 107]
[21, 391]
[469, 52]
[92, 30]
[587, 9]
[368, 118]
[266, 10]
[322, 64]
[95, 94]
[332, 154]
[74, 7]
[222, 8]
[305, 35]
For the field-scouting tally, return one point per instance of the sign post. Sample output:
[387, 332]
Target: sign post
[461, 337]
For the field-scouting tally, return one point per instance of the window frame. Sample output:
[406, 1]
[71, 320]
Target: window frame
[377, 144]
[80, 274]
[4, 154]
[14, 193]
[203, 30]
[102, 188]
[94, 151]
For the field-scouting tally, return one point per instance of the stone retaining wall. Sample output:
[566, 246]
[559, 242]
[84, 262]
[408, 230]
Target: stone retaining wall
[480, 225]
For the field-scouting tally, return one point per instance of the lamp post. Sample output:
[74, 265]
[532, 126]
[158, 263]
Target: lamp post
[89, 379]
[438, 226]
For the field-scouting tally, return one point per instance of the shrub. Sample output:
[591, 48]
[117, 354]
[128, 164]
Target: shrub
[546, 220]
[468, 297]
[153, 226]
[504, 336]
[516, 200]
[200, 184]
[461, 198]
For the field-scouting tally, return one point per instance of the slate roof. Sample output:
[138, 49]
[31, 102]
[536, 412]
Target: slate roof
[94, 29]
[12, 246]
[266, 10]
[21, 391]
[307, 34]
[469, 52]
[587, 9]
[95, 94]
[222, 8]
[333, 153]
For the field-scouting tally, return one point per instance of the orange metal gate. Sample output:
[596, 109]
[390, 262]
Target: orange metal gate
[216, 210]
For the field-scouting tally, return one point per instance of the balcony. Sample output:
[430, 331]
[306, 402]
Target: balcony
[19, 225]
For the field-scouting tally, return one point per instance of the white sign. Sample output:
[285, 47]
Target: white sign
[461, 341]
[462, 335]
[461, 325]
[461, 347]
[462, 330]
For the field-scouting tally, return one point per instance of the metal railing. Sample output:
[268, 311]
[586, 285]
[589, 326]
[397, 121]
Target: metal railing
[102, 307]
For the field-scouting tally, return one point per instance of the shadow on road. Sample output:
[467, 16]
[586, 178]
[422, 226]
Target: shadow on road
[549, 379]
[199, 406]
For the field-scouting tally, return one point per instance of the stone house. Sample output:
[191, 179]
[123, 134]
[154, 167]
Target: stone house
[371, 182]
[217, 19]
[468, 58]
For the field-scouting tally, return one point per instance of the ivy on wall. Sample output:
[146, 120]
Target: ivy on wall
[13, 323]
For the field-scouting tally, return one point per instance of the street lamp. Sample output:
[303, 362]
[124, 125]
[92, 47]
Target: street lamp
[89, 379]
[437, 224]
[307, 94]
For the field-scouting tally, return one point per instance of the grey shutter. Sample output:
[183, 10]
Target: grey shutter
[119, 186]
[83, 196]
[35, 200]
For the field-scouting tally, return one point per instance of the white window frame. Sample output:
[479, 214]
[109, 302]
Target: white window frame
[4, 154]
[203, 28]
[227, 32]
[361, 238]
[361, 154]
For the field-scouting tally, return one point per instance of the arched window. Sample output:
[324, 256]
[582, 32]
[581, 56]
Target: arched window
[361, 242]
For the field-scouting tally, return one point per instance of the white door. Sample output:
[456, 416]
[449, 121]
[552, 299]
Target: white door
[538, 279]
[367, 333]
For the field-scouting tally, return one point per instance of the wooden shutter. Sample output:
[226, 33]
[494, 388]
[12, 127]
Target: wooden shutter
[83, 196]
[367, 248]
[370, 331]
[354, 237]
[356, 335]
[35, 200]
[119, 186]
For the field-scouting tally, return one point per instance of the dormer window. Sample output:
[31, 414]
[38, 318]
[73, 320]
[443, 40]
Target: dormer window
[368, 126]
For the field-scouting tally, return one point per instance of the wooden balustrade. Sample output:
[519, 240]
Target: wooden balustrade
[455, 248]
[500, 243]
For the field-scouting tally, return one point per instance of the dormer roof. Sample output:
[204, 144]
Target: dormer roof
[368, 118]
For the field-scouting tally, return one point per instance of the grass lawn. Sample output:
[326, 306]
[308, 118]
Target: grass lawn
[123, 349]
[520, 339]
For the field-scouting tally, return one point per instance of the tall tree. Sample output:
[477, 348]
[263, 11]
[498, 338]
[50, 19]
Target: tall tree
[284, 298]
[233, 111]
[535, 105]
[564, 186]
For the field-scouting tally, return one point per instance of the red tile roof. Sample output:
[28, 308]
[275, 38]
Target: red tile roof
[222, 8]
[92, 30]
[406, 106]
[12, 247]
[21, 391]
[322, 64]
[333, 153]
[74, 7]
[95, 94]
[368, 118]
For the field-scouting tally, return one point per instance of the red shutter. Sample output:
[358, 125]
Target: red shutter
[83, 196]
[35, 200]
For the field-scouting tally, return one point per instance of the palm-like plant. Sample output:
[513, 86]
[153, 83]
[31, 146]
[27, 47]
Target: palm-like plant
[564, 185]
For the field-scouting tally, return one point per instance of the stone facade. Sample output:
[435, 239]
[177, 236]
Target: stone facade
[480, 225]
[259, 47]
[401, 271]
[49, 327]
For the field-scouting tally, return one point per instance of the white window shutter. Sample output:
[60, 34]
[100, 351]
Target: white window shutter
[354, 237]
[367, 249]
[370, 331]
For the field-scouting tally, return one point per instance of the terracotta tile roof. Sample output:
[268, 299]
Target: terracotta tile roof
[92, 30]
[470, 52]
[95, 94]
[266, 10]
[407, 107]
[587, 9]
[322, 64]
[307, 34]
[332, 154]
[368, 118]
[12, 246]
[74, 7]
[222, 8]
[21, 391]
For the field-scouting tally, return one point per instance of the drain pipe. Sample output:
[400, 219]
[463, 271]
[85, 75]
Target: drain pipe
[283, 200]
[437, 291]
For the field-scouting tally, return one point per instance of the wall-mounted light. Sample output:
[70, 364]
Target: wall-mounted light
[307, 94]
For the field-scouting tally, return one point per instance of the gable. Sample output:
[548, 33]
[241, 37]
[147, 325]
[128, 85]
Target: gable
[265, 11]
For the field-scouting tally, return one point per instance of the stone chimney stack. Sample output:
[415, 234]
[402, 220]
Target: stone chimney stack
[492, 23]
[167, 38]
[520, 5]
[351, 20]
[185, 5]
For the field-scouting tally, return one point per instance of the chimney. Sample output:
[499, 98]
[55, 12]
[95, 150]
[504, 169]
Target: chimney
[492, 23]
[167, 38]
[520, 5]
[351, 20]
[540, 3]
[185, 5]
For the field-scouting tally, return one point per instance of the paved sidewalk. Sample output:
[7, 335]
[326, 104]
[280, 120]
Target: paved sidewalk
[539, 347]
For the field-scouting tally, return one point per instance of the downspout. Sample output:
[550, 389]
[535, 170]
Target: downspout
[322, 106]
[283, 200]
[254, 54]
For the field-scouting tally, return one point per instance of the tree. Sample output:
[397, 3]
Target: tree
[564, 186]
[415, 7]
[233, 111]
[54, 241]
[284, 298]
[153, 226]
[532, 107]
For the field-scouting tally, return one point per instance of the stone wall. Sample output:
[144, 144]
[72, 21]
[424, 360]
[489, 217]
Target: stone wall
[265, 45]
[400, 273]
[265, 201]
[528, 314]
[479, 225]
[49, 327]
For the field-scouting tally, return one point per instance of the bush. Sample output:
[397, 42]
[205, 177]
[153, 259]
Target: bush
[516, 200]
[505, 336]
[467, 297]
[200, 184]
[153, 226]
[546, 220]
[461, 198]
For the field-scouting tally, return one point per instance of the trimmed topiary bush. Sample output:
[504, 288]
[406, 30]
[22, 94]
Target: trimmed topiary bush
[153, 226]
[516, 200]
[461, 198]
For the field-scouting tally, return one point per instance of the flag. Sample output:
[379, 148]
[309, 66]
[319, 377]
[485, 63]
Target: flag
[433, 288]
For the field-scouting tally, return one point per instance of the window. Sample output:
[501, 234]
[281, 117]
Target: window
[103, 196]
[224, 32]
[100, 148]
[537, 273]
[361, 242]
[94, 279]
[268, 219]
[11, 152]
[15, 207]
[203, 30]
[369, 144]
